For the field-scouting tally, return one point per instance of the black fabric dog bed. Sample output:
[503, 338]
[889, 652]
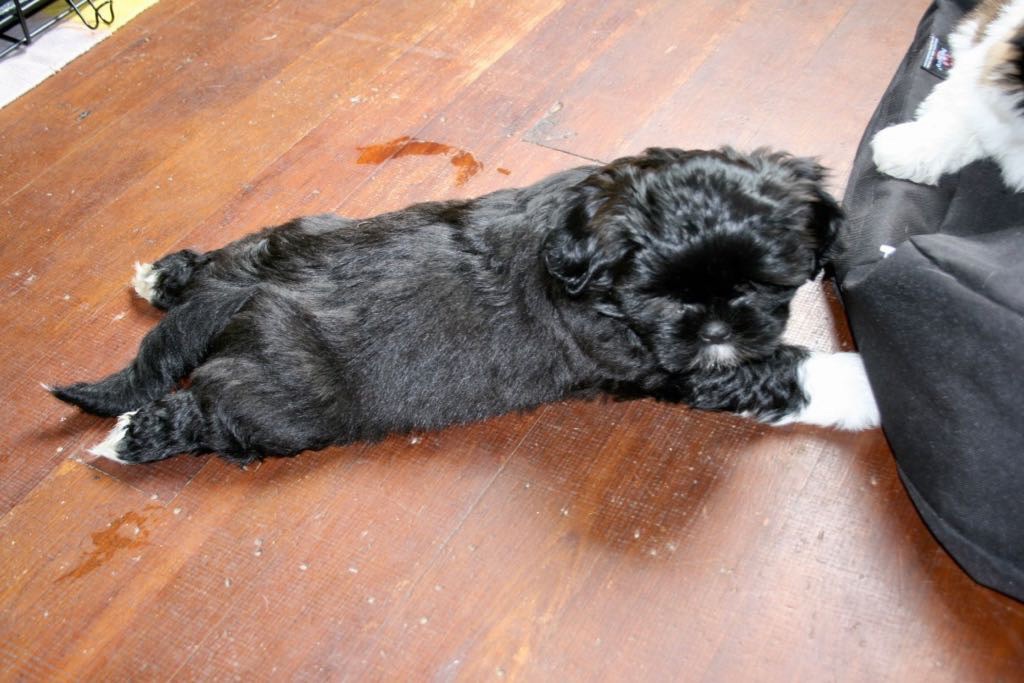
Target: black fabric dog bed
[940, 323]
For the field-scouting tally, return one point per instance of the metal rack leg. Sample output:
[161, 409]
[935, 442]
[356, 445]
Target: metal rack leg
[108, 4]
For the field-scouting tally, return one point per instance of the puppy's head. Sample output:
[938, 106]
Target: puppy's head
[699, 252]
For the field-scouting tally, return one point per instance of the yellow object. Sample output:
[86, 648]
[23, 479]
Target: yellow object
[124, 11]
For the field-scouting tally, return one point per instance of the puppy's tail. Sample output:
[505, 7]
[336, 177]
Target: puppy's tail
[169, 352]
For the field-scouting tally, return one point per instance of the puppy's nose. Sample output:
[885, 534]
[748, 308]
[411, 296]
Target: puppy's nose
[715, 332]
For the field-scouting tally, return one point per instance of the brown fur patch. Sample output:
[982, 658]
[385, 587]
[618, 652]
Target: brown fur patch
[984, 14]
[1003, 63]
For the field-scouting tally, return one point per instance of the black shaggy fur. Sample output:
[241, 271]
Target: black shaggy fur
[1013, 73]
[620, 279]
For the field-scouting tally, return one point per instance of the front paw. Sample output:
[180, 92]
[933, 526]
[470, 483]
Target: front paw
[837, 392]
[907, 151]
[1013, 172]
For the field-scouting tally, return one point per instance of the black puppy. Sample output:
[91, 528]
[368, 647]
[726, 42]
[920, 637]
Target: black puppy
[667, 274]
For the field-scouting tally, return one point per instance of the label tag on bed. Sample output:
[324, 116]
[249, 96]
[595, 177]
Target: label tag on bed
[938, 58]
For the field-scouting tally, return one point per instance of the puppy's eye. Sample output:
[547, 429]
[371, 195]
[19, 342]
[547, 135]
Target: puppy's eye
[683, 296]
[678, 307]
[768, 289]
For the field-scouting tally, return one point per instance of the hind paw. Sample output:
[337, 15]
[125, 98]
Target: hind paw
[113, 447]
[145, 281]
[147, 434]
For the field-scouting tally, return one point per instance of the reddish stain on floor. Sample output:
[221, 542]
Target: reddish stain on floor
[107, 542]
[466, 165]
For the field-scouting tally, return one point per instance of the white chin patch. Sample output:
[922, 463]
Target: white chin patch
[144, 282]
[838, 393]
[108, 448]
[719, 355]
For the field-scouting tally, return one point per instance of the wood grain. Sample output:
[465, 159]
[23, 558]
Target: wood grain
[580, 541]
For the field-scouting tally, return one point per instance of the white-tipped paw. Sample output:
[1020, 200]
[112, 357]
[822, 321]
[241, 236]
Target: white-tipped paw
[907, 151]
[110, 447]
[1013, 170]
[144, 282]
[838, 393]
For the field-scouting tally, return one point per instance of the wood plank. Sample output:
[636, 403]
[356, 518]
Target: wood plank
[337, 571]
[762, 74]
[811, 96]
[166, 42]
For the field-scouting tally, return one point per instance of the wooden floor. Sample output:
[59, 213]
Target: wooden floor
[582, 541]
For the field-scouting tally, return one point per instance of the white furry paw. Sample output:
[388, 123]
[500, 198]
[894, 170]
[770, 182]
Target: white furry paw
[144, 282]
[907, 151]
[1013, 172]
[837, 391]
[109, 447]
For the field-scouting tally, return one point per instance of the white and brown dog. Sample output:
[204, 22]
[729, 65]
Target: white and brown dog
[976, 113]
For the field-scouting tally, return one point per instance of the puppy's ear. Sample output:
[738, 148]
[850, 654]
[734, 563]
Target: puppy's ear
[572, 253]
[583, 251]
[826, 220]
[826, 217]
